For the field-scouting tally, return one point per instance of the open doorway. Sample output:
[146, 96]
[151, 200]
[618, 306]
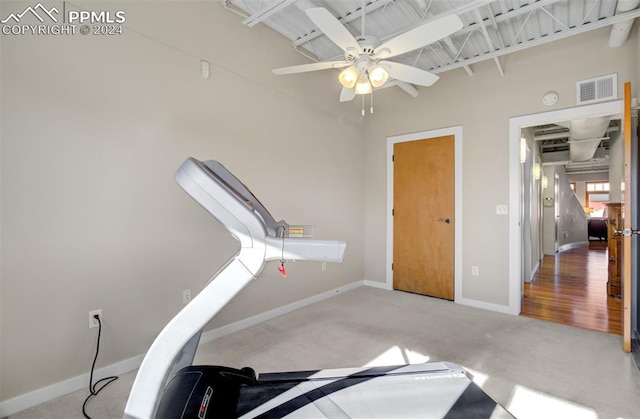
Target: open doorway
[516, 126]
[567, 168]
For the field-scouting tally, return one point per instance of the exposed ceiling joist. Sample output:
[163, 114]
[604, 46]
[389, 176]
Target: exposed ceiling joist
[265, 13]
[541, 41]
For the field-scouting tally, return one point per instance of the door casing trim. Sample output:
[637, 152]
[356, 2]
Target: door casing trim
[456, 131]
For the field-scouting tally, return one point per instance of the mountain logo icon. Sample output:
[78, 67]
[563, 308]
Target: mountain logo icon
[34, 11]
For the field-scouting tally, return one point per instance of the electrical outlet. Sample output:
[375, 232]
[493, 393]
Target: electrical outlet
[93, 322]
[474, 271]
[324, 266]
[204, 69]
[186, 296]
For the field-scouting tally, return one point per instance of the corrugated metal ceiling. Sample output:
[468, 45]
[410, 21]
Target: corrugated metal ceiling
[491, 28]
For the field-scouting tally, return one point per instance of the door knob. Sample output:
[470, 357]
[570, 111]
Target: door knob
[446, 220]
[627, 231]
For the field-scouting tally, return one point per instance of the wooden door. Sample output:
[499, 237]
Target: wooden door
[629, 135]
[423, 223]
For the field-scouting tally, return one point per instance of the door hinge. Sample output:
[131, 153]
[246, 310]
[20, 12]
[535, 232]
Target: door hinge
[393, 157]
[392, 266]
[393, 212]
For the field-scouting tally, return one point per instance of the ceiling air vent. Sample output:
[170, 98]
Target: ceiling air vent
[597, 90]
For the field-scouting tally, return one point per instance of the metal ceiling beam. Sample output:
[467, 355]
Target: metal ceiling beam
[541, 41]
[449, 43]
[511, 14]
[585, 172]
[495, 23]
[274, 8]
[350, 18]
[488, 39]
[467, 30]
[458, 11]
[562, 157]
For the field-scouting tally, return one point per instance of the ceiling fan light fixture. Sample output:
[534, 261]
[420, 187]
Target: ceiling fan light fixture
[363, 86]
[378, 76]
[348, 77]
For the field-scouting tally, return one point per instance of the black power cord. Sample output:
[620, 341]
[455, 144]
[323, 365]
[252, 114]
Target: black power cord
[93, 387]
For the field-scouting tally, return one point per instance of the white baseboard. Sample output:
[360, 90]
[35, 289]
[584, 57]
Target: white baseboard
[484, 305]
[376, 284]
[569, 246]
[276, 312]
[462, 301]
[533, 272]
[34, 398]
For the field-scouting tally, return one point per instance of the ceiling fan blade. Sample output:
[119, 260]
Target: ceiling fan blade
[347, 95]
[408, 88]
[410, 74]
[418, 37]
[332, 28]
[310, 67]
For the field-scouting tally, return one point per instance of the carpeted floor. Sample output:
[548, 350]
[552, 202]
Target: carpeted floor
[535, 369]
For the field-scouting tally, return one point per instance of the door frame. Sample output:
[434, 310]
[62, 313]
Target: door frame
[456, 131]
[516, 124]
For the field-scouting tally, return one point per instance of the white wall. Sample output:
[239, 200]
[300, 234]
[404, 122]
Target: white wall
[93, 129]
[616, 167]
[549, 229]
[572, 222]
[533, 188]
[482, 104]
[529, 203]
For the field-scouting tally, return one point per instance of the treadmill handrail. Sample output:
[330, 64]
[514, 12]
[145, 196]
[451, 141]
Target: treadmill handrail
[175, 345]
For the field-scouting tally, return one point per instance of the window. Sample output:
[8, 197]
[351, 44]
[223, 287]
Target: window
[597, 198]
[597, 187]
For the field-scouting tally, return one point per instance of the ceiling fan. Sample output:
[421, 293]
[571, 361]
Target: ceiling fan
[365, 59]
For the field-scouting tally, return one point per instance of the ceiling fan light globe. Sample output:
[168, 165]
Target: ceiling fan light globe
[348, 77]
[363, 86]
[378, 76]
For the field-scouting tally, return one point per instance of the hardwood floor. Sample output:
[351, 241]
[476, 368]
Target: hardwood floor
[571, 288]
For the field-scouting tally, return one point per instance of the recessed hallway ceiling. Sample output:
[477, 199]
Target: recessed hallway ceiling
[491, 29]
[555, 141]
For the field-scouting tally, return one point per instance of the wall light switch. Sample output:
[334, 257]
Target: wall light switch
[502, 209]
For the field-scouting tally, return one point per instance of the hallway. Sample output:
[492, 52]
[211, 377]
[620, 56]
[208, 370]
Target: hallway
[571, 288]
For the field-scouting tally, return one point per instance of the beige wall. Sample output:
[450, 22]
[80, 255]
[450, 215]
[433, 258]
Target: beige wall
[93, 130]
[483, 104]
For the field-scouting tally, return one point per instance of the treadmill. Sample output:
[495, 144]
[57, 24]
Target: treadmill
[169, 386]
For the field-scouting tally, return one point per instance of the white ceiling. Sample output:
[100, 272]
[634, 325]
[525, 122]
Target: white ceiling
[491, 28]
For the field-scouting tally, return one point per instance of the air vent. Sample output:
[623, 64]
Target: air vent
[597, 90]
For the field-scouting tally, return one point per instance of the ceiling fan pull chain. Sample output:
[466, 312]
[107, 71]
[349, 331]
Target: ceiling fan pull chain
[371, 101]
[363, 113]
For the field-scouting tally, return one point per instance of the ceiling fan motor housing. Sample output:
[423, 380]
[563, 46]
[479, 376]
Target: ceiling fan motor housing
[368, 44]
